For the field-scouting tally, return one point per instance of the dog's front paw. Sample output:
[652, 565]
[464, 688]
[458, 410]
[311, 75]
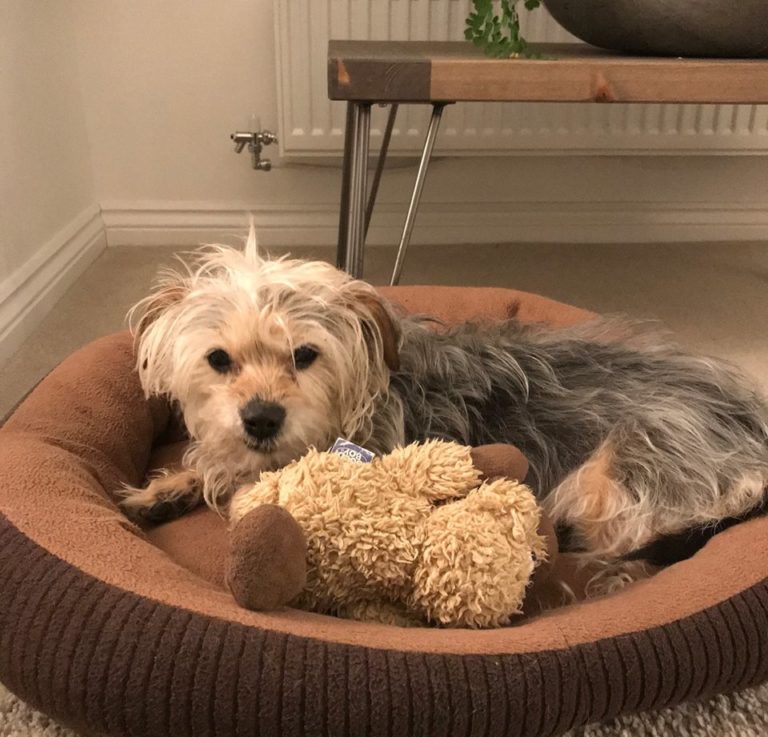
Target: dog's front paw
[165, 498]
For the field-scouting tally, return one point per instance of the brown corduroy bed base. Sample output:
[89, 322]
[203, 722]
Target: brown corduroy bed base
[103, 630]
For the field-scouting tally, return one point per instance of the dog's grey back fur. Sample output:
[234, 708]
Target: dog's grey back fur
[684, 431]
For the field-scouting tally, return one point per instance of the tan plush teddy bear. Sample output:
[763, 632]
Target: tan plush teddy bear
[425, 534]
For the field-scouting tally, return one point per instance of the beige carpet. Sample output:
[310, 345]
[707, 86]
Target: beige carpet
[715, 297]
[19, 720]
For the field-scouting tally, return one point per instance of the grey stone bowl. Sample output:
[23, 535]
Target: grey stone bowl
[714, 28]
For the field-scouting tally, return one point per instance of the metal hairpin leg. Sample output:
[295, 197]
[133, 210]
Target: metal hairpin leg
[380, 165]
[341, 246]
[351, 244]
[350, 247]
[410, 219]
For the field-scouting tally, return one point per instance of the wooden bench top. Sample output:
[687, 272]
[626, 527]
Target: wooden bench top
[417, 71]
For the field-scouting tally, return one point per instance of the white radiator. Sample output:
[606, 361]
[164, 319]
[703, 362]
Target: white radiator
[311, 125]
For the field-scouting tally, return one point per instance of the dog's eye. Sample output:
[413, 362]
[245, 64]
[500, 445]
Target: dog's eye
[304, 356]
[220, 361]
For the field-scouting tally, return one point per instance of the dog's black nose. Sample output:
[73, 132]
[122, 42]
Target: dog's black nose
[262, 420]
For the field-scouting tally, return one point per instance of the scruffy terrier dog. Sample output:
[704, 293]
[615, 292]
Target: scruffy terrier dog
[633, 444]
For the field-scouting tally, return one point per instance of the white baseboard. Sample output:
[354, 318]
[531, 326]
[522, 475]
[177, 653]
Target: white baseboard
[30, 291]
[190, 223]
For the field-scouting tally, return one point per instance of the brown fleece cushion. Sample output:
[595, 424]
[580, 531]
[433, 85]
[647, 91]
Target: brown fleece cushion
[108, 632]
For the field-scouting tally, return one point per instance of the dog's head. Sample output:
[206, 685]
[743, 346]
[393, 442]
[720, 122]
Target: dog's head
[264, 357]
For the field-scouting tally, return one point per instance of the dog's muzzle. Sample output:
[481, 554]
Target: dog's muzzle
[262, 421]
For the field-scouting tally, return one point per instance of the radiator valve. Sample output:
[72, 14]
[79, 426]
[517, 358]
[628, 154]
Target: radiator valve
[255, 140]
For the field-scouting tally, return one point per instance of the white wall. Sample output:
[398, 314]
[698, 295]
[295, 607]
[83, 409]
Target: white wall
[166, 82]
[46, 168]
[50, 227]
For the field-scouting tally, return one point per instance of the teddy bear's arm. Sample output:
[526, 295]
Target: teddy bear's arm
[436, 470]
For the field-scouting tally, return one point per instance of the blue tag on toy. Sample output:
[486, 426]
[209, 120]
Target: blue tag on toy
[351, 451]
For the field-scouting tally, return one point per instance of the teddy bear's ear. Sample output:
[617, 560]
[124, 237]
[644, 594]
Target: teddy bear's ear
[499, 460]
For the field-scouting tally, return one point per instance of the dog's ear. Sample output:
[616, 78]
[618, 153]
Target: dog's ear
[150, 308]
[373, 310]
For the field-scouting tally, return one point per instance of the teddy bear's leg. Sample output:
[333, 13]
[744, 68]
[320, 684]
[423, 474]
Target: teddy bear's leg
[267, 563]
[250, 496]
[435, 470]
[382, 612]
[478, 556]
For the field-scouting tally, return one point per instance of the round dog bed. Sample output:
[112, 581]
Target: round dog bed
[113, 631]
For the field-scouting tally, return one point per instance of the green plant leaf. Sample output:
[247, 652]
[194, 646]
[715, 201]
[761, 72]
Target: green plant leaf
[494, 26]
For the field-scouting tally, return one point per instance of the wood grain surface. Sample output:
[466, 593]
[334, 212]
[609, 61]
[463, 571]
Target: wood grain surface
[415, 71]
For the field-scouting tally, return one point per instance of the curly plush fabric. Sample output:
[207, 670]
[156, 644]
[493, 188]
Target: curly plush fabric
[413, 537]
